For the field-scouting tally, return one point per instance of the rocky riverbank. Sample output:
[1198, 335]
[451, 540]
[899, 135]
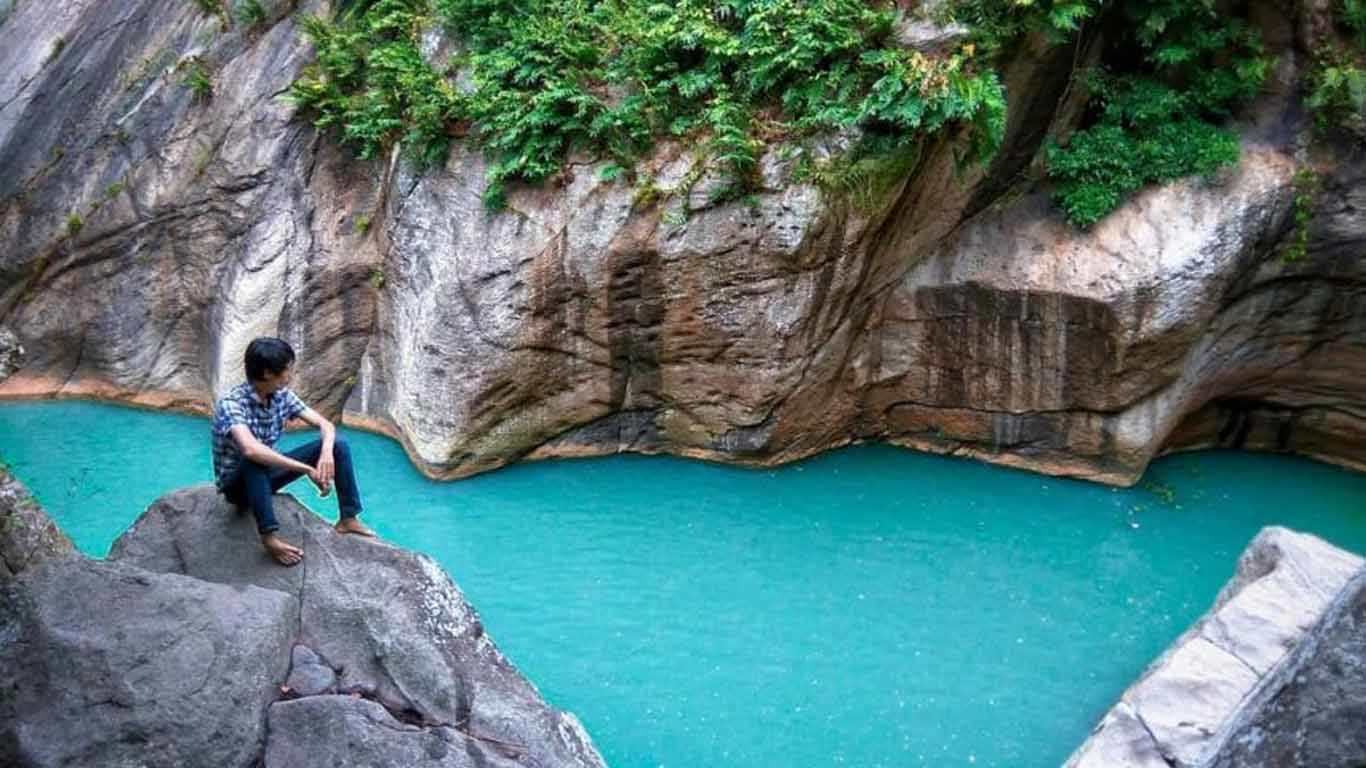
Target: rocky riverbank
[188, 646]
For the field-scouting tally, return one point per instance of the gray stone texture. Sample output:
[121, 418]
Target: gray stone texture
[308, 675]
[27, 535]
[189, 647]
[1274, 671]
[348, 732]
[105, 664]
[388, 623]
[1316, 715]
[957, 314]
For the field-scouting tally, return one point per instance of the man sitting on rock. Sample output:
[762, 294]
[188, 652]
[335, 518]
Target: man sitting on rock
[247, 422]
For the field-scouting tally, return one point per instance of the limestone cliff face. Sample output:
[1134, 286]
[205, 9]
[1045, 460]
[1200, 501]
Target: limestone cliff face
[961, 314]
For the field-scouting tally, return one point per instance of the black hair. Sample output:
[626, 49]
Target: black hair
[267, 355]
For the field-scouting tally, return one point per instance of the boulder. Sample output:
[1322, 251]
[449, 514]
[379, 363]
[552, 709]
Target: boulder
[1315, 714]
[106, 664]
[350, 732]
[27, 535]
[388, 624]
[1204, 702]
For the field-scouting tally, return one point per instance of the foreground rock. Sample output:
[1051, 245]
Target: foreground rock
[189, 647]
[105, 664]
[390, 626]
[27, 535]
[1317, 716]
[1273, 674]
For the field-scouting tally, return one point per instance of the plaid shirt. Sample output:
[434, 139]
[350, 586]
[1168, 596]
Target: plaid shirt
[266, 422]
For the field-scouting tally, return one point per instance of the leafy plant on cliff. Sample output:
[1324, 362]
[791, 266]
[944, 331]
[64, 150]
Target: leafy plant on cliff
[1337, 82]
[250, 13]
[1177, 69]
[999, 23]
[613, 77]
[196, 76]
[1353, 15]
[371, 82]
[1306, 191]
[211, 7]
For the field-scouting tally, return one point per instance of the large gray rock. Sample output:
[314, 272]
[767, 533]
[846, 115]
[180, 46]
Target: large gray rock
[1317, 715]
[107, 665]
[27, 535]
[390, 624]
[1288, 594]
[347, 732]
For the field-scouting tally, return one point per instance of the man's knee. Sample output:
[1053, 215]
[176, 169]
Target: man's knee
[340, 447]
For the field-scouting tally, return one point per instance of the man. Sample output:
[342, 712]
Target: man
[247, 422]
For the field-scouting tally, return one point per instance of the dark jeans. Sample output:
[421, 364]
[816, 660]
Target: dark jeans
[254, 485]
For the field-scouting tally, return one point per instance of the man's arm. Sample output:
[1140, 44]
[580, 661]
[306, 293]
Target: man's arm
[257, 451]
[326, 467]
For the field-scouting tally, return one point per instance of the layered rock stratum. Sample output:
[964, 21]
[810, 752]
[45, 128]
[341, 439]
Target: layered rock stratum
[152, 232]
[189, 646]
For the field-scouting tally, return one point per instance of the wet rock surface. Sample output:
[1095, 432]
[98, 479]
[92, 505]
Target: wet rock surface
[188, 646]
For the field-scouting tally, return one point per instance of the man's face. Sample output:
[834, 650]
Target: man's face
[274, 382]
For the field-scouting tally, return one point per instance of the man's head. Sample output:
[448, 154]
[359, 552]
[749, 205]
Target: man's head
[268, 361]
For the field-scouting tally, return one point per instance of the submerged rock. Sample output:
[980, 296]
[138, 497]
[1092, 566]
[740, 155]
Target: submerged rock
[1274, 673]
[190, 647]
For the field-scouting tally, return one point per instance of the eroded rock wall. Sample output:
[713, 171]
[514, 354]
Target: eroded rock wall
[956, 313]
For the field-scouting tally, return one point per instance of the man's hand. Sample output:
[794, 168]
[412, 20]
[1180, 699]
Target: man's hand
[324, 484]
[327, 469]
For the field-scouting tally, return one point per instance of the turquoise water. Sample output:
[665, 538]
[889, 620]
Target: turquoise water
[870, 607]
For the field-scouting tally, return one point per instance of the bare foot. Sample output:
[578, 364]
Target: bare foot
[353, 525]
[283, 552]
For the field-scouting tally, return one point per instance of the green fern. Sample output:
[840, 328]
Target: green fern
[1159, 119]
[612, 77]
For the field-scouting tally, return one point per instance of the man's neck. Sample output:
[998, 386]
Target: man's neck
[261, 397]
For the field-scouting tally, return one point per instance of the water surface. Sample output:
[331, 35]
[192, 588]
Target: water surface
[870, 607]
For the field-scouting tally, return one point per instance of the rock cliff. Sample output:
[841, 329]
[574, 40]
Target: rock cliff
[188, 646]
[155, 228]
